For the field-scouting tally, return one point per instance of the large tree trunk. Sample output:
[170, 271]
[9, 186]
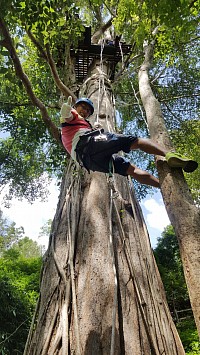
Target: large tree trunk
[183, 213]
[101, 292]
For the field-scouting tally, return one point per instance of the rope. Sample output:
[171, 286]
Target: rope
[140, 107]
[101, 80]
[102, 92]
[115, 301]
[71, 263]
[121, 51]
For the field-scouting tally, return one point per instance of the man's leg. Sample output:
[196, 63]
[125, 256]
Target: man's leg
[142, 176]
[148, 146]
[173, 159]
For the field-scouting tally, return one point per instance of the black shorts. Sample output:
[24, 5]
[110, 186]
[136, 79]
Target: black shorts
[97, 155]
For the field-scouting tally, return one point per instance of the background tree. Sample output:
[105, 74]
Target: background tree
[9, 234]
[170, 266]
[19, 288]
[43, 24]
[175, 85]
[45, 229]
[168, 259]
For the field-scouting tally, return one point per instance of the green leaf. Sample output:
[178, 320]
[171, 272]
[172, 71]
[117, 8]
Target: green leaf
[22, 4]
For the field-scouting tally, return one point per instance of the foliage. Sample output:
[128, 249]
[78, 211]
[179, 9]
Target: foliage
[14, 318]
[20, 264]
[170, 266]
[12, 238]
[174, 21]
[46, 18]
[27, 151]
[9, 234]
[189, 336]
[45, 229]
[27, 248]
[23, 273]
[19, 288]
[191, 130]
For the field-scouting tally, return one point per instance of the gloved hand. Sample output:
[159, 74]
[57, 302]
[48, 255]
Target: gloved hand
[66, 110]
[97, 125]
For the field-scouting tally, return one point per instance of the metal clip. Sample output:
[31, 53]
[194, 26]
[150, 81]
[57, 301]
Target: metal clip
[100, 137]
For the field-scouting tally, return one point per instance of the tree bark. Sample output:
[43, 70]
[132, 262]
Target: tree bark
[101, 292]
[183, 213]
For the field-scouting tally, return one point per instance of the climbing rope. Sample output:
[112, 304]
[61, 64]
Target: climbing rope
[71, 238]
[122, 56]
[101, 80]
[140, 107]
[115, 300]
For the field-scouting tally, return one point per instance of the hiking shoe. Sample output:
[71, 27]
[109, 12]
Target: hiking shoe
[176, 160]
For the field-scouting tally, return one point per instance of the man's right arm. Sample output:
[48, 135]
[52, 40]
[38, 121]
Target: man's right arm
[65, 112]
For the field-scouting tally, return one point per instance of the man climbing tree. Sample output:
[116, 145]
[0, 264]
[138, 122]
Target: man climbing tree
[94, 149]
[100, 288]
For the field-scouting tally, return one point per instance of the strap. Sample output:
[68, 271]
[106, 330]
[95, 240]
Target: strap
[75, 124]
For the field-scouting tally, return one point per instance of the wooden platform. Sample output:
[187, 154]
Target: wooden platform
[87, 52]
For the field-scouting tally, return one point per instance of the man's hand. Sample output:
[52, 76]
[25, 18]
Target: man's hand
[66, 110]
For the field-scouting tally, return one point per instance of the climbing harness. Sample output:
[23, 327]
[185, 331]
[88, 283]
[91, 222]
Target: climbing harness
[100, 137]
[65, 124]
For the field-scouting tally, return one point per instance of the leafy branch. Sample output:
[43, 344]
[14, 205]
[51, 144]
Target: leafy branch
[49, 59]
[8, 44]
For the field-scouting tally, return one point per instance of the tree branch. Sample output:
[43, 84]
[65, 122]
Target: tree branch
[8, 104]
[26, 82]
[100, 31]
[160, 99]
[110, 11]
[49, 59]
[37, 44]
[6, 339]
[127, 62]
[64, 89]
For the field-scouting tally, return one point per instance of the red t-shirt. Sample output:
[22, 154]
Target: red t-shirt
[72, 133]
